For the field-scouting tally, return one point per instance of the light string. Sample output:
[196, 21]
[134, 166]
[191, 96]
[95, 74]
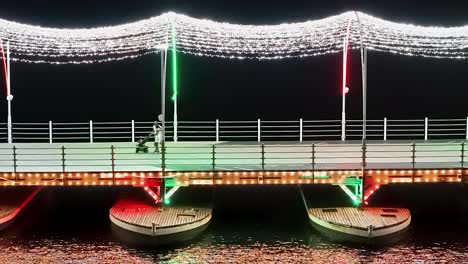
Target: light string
[202, 37]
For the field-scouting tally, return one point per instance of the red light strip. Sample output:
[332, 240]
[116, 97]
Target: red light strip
[5, 68]
[345, 57]
[152, 194]
[370, 192]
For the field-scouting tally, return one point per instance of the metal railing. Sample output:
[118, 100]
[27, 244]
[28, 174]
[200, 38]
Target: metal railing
[255, 130]
[231, 157]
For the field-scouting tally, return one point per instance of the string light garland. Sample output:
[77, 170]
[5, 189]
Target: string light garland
[201, 37]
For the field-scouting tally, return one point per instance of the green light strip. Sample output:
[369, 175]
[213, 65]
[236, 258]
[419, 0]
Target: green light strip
[174, 64]
[356, 200]
[171, 192]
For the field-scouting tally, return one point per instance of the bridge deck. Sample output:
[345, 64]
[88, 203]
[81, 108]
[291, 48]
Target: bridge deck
[231, 163]
[202, 156]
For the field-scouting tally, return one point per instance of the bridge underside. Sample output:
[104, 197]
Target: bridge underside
[187, 178]
[349, 180]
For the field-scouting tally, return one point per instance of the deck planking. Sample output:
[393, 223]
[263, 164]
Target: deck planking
[143, 215]
[361, 218]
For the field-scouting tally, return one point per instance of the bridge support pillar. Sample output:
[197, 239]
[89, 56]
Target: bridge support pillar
[353, 193]
[161, 189]
[169, 188]
[359, 190]
[167, 198]
[369, 188]
[352, 187]
[152, 187]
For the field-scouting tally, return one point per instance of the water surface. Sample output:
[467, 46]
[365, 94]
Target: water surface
[253, 226]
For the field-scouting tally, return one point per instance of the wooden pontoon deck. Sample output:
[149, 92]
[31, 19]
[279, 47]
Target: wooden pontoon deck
[153, 221]
[367, 222]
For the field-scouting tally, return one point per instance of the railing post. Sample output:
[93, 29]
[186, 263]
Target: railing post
[113, 164]
[385, 128]
[213, 157]
[63, 158]
[259, 135]
[313, 163]
[462, 161]
[91, 137]
[50, 132]
[217, 130]
[426, 128]
[15, 161]
[176, 130]
[466, 133]
[413, 160]
[343, 128]
[263, 157]
[163, 158]
[162, 187]
[9, 132]
[133, 131]
[363, 167]
[300, 130]
[64, 177]
[213, 161]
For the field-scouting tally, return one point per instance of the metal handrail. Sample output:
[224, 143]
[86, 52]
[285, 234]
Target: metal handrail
[221, 130]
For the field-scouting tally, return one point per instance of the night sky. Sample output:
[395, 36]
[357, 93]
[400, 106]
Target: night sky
[399, 87]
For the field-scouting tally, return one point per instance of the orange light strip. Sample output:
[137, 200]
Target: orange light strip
[230, 177]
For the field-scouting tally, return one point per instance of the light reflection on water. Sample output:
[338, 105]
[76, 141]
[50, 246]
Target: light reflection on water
[216, 247]
[71, 229]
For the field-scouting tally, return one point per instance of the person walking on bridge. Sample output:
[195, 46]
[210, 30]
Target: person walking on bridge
[157, 131]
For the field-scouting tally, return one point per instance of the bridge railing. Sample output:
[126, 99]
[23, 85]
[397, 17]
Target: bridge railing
[3, 132]
[209, 156]
[254, 130]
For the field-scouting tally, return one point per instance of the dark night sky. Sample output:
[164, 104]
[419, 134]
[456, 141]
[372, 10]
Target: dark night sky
[236, 90]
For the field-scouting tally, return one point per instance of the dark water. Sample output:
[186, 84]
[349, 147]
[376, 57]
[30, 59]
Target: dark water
[250, 225]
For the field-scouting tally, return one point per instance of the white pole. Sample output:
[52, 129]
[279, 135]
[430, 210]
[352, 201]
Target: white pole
[163, 113]
[259, 136]
[174, 77]
[300, 130]
[163, 109]
[364, 96]
[133, 131]
[9, 96]
[217, 130]
[385, 129]
[91, 140]
[163, 98]
[364, 108]
[364, 117]
[343, 112]
[426, 125]
[50, 132]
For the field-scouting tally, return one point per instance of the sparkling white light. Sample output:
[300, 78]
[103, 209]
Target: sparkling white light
[202, 37]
